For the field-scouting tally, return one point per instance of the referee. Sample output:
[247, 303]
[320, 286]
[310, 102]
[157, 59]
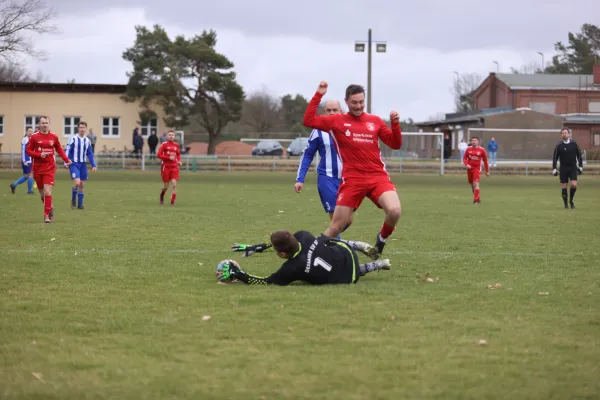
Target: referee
[571, 164]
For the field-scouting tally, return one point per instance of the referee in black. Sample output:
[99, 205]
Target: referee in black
[571, 164]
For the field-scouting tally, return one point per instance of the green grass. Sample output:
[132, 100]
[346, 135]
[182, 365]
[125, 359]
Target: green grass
[108, 302]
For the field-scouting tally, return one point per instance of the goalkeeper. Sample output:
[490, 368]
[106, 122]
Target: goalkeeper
[318, 261]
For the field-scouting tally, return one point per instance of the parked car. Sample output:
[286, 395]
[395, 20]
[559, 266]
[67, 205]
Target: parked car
[297, 147]
[267, 148]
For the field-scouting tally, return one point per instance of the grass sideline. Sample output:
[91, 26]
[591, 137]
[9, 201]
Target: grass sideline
[109, 302]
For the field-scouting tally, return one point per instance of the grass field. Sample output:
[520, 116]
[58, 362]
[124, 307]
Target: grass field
[109, 302]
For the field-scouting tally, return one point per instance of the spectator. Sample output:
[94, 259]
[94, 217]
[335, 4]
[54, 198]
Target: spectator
[462, 147]
[152, 143]
[492, 150]
[138, 144]
[447, 147]
[136, 132]
[92, 136]
[163, 138]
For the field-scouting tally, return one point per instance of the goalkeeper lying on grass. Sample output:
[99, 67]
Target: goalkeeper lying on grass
[318, 261]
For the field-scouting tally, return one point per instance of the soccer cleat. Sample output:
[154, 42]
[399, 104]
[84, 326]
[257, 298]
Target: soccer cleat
[30, 193]
[81, 208]
[380, 244]
[566, 206]
[47, 219]
[73, 205]
[367, 249]
[12, 188]
[382, 264]
[51, 215]
[572, 205]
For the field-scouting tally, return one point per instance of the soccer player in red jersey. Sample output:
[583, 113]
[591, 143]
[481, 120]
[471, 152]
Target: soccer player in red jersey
[41, 148]
[472, 159]
[170, 155]
[356, 135]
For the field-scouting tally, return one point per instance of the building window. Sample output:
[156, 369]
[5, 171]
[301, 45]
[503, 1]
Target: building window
[32, 122]
[596, 139]
[110, 127]
[594, 107]
[71, 125]
[151, 125]
[1, 125]
[543, 107]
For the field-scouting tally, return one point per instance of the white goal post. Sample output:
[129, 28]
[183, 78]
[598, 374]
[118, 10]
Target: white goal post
[432, 146]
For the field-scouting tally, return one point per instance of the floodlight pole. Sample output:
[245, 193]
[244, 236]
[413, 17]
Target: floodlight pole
[359, 47]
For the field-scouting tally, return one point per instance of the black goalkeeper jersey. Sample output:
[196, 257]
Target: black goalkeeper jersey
[320, 261]
[569, 154]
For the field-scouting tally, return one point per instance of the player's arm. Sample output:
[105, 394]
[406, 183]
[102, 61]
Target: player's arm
[249, 249]
[465, 157]
[555, 157]
[90, 156]
[31, 149]
[308, 156]
[178, 155]
[485, 162]
[579, 159]
[312, 120]
[61, 152]
[282, 277]
[391, 137]
[25, 158]
[160, 153]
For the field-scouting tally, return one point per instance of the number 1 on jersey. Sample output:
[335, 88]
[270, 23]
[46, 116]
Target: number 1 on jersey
[319, 262]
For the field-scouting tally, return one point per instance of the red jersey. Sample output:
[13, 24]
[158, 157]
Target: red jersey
[165, 151]
[473, 157]
[45, 144]
[356, 138]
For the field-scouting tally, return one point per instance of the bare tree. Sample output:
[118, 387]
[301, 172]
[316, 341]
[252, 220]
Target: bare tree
[463, 88]
[13, 73]
[18, 20]
[531, 68]
[261, 112]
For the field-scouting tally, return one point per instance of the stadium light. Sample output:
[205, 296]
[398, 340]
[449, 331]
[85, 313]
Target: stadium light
[497, 66]
[359, 47]
[543, 64]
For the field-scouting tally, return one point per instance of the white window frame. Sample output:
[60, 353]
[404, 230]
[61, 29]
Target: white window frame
[543, 106]
[152, 124]
[111, 126]
[594, 107]
[1, 125]
[596, 139]
[34, 118]
[74, 126]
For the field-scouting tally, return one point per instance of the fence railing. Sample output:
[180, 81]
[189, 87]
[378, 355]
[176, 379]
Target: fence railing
[226, 163]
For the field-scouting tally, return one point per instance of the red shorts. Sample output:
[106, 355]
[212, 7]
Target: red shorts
[169, 173]
[473, 175]
[353, 191]
[42, 179]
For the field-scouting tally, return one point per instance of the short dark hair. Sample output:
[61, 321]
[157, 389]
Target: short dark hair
[354, 89]
[45, 117]
[82, 123]
[474, 137]
[285, 242]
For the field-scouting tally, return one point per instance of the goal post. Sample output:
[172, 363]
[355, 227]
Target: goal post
[517, 145]
[421, 152]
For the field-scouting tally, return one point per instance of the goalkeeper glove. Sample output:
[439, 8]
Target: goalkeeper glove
[554, 172]
[580, 170]
[249, 249]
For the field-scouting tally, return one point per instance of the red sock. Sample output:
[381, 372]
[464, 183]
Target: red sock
[476, 191]
[173, 196]
[386, 230]
[47, 205]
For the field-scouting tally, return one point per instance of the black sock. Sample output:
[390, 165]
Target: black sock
[572, 193]
[564, 195]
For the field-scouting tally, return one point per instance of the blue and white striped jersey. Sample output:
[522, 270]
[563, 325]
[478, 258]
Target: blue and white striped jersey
[79, 150]
[330, 163]
[24, 156]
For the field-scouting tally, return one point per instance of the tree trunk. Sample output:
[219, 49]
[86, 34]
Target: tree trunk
[212, 142]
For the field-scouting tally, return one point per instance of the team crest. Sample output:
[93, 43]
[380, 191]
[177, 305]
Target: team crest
[370, 126]
[52, 143]
[348, 133]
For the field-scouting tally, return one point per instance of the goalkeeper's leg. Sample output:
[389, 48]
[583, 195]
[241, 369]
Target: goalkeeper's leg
[375, 266]
[364, 247]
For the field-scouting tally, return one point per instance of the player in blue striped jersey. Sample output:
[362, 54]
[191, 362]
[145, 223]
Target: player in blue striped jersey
[26, 164]
[79, 150]
[329, 170]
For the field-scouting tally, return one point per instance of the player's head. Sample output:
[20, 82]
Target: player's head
[284, 243]
[355, 99]
[28, 132]
[332, 107]
[170, 136]
[493, 139]
[82, 127]
[44, 123]
[565, 133]
[474, 141]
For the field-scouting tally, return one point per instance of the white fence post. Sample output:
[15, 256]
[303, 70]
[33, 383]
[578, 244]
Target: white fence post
[123, 154]
[143, 162]
[12, 161]
[228, 163]
[526, 168]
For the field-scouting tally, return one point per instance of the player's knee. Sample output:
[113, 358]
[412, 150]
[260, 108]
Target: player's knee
[394, 212]
[573, 184]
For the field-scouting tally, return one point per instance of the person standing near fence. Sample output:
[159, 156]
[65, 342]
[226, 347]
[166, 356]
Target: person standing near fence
[567, 151]
[92, 136]
[26, 164]
[152, 143]
[492, 150]
[462, 147]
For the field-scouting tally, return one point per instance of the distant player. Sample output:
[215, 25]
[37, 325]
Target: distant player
[329, 170]
[356, 136]
[25, 165]
[318, 261]
[472, 160]
[41, 148]
[79, 150]
[170, 155]
[567, 151]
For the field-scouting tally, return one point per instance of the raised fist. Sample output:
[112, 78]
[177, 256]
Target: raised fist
[322, 87]
[394, 116]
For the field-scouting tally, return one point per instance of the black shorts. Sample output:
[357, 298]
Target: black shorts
[568, 173]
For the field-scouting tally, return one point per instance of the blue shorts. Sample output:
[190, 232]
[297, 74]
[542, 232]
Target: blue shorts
[26, 168]
[328, 188]
[79, 171]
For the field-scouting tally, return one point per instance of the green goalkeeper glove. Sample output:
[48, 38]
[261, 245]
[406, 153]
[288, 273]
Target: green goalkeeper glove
[249, 249]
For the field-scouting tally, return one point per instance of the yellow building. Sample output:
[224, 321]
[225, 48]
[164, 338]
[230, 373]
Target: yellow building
[100, 105]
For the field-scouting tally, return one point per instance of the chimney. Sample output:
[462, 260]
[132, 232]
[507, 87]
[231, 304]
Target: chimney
[597, 74]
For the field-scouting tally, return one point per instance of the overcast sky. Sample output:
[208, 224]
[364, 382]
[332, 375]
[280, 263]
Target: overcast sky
[289, 49]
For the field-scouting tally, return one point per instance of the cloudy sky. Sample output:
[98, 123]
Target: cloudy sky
[288, 48]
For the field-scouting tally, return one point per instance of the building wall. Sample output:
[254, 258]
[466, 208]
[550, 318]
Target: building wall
[584, 134]
[493, 93]
[567, 101]
[90, 107]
